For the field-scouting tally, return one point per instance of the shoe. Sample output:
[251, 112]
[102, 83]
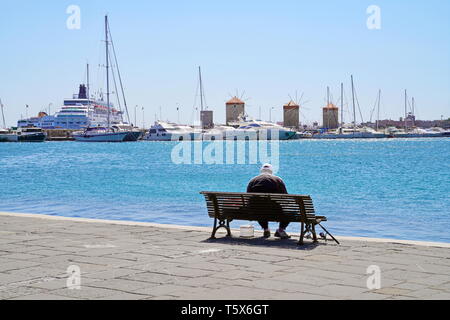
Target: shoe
[282, 235]
[266, 233]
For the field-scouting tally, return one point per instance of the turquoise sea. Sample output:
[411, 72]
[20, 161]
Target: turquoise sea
[372, 188]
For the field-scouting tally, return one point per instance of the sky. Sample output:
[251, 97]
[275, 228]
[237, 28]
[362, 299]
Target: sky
[264, 51]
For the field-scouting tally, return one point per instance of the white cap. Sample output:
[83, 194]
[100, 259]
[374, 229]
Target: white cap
[267, 168]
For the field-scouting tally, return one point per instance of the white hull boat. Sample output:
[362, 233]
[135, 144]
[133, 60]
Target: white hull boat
[101, 135]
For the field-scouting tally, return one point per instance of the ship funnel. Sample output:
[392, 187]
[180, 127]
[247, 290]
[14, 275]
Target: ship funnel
[82, 93]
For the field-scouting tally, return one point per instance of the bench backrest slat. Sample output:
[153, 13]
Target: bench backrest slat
[254, 206]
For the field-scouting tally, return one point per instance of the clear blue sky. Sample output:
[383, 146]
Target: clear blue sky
[270, 49]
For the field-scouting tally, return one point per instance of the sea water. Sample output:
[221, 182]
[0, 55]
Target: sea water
[389, 188]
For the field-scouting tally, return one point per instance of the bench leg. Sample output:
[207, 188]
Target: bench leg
[228, 229]
[313, 231]
[302, 234]
[213, 235]
[222, 224]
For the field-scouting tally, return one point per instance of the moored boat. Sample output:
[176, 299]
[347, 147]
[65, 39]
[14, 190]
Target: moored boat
[101, 134]
[351, 133]
[113, 132]
[30, 134]
[7, 136]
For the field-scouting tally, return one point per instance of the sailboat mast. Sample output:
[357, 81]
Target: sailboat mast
[119, 75]
[406, 111]
[354, 110]
[107, 69]
[328, 96]
[87, 81]
[3, 115]
[201, 96]
[342, 105]
[378, 112]
[328, 105]
[201, 88]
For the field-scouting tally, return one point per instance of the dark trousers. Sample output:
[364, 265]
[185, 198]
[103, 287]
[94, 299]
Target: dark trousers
[265, 224]
[256, 203]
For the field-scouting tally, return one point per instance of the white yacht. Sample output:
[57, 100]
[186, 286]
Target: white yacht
[230, 133]
[413, 133]
[8, 136]
[265, 130]
[166, 131]
[101, 134]
[351, 133]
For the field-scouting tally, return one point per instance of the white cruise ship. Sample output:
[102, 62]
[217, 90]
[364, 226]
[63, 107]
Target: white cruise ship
[77, 113]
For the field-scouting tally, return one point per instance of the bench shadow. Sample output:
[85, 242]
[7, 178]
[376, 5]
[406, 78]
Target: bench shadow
[268, 243]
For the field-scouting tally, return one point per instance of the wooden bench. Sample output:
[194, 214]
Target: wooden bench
[225, 207]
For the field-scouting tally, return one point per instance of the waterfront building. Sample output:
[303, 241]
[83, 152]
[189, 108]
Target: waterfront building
[330, 116]
[235, 109]
[291, 115]
[206, 118]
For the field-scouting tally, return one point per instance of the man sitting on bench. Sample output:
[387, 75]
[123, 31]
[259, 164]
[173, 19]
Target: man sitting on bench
[267, 182]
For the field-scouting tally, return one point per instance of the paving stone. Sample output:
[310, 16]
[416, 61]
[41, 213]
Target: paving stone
[139, 262]
[156, 278]
[161, 289]
[7, 265]
[428, 293]
[43, 296]
[110, 273]
[85, 292]
[14, 292]
[119, 284]
[393, 291]
[125, 296]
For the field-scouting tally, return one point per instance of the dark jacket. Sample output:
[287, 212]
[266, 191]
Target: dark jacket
[266, 183]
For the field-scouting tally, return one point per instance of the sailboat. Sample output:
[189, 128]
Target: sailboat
[110, 133]
[5, 134]
[354, 132]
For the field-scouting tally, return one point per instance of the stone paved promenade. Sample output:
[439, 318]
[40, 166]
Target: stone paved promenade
[121, 260]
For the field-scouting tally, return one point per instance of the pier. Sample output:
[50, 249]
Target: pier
[59, 134]
[132, 260]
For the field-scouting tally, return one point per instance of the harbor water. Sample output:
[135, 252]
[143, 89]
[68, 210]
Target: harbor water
[386, 188]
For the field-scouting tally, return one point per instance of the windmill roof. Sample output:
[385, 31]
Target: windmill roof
[291, 104]
[235, 100]
[330, 106]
